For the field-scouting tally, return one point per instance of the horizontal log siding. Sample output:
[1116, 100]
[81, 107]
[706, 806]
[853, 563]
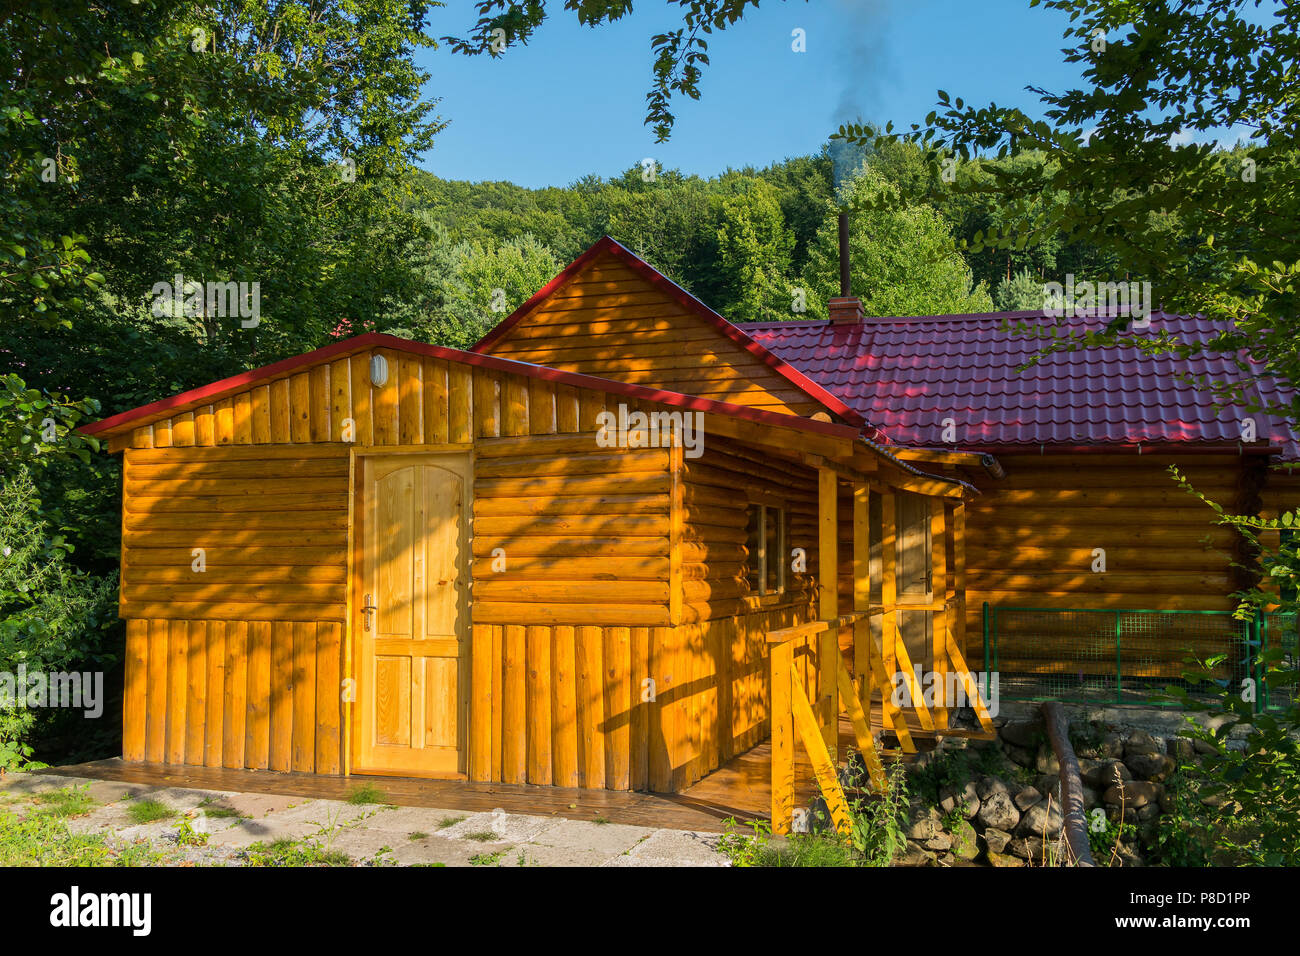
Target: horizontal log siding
[580, 531]
[711, 672]
[612, 323]
[273, 533]
[1030, 536]
[1279, 495]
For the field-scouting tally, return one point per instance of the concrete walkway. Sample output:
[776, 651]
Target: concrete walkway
[231, 827]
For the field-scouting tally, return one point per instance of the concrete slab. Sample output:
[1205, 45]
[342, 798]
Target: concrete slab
[608, 839]
[403, 821]
[538, 854]
[435, 851]
[30, 783]
[309, 819]
[674, 848]
[507, 827]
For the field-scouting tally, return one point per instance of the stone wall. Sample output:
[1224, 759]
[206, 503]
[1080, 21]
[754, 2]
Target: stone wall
[998, 802]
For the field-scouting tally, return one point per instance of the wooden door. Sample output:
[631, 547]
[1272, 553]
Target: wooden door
[413, 652]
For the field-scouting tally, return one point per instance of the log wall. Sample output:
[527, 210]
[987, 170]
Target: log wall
[611, 322]
[1030, 537]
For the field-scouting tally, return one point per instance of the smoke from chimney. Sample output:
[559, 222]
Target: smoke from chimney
[844, 254]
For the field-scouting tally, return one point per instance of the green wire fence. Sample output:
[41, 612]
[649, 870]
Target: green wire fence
[1125, 656]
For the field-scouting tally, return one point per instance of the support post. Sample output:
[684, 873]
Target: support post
[782, 718]
[939, 618]
[829, 642]
[889, 583]
[959, 576]
[862, 644]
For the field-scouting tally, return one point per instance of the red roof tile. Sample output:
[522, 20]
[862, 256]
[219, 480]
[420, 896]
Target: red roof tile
[906, 375]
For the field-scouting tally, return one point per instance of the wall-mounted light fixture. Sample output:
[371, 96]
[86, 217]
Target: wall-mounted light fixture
[378, 370]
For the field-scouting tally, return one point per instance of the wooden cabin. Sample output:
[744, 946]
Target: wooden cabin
[386, 557]
[1070, 455]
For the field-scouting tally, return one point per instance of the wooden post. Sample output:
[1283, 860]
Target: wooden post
[958, 623]
[939, 618]
[828, 643]
[676, 526]
[782, 715]
[862, 648]
[888, 583]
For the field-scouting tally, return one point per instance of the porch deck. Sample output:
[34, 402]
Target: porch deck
[741, 788]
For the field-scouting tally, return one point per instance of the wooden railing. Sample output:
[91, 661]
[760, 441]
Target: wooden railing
[794, 719]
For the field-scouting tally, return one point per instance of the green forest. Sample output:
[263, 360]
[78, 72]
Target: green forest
[283, 145]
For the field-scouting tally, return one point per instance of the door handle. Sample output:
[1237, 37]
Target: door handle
[367, 609]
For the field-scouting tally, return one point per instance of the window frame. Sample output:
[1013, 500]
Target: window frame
[766, 548]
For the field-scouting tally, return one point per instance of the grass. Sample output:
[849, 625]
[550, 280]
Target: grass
[148, 811]
[417, 835]
[799, 849]
[66, 802]
[448, 822]
[366, 793]
[482, 836]
[487, 859]
[286, 852]
[43, 839]
[600, 821]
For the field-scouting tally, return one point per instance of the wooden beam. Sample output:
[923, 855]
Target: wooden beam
[972, 688]
[861, 727]
[823, 762]
[782, 663]
[888, 579]
[959, 574]
[766, 435]
[676, 531]
[914, 690]
[828, 565]
[939, 618]
[862, 589]
[969, 459]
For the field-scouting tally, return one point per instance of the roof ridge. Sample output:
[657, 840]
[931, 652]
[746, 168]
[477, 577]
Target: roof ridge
[790, 373]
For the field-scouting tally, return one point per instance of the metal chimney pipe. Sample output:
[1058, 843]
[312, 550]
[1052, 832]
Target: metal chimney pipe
[844, 254]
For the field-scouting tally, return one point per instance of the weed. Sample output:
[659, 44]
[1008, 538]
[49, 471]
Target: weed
[417, 835]
[288, 852]
[186, 835]
[66, 802]
[448, 822]
[481, 836]
[148, 811]
[366, 793]
[44, 840]
[487, 859]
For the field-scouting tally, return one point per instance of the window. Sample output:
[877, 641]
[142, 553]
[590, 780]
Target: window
[765, 538]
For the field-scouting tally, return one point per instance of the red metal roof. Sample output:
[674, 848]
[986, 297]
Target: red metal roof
[906, 375]
[605, 244]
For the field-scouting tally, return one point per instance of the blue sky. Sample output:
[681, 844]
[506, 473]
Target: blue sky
[572, 102]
